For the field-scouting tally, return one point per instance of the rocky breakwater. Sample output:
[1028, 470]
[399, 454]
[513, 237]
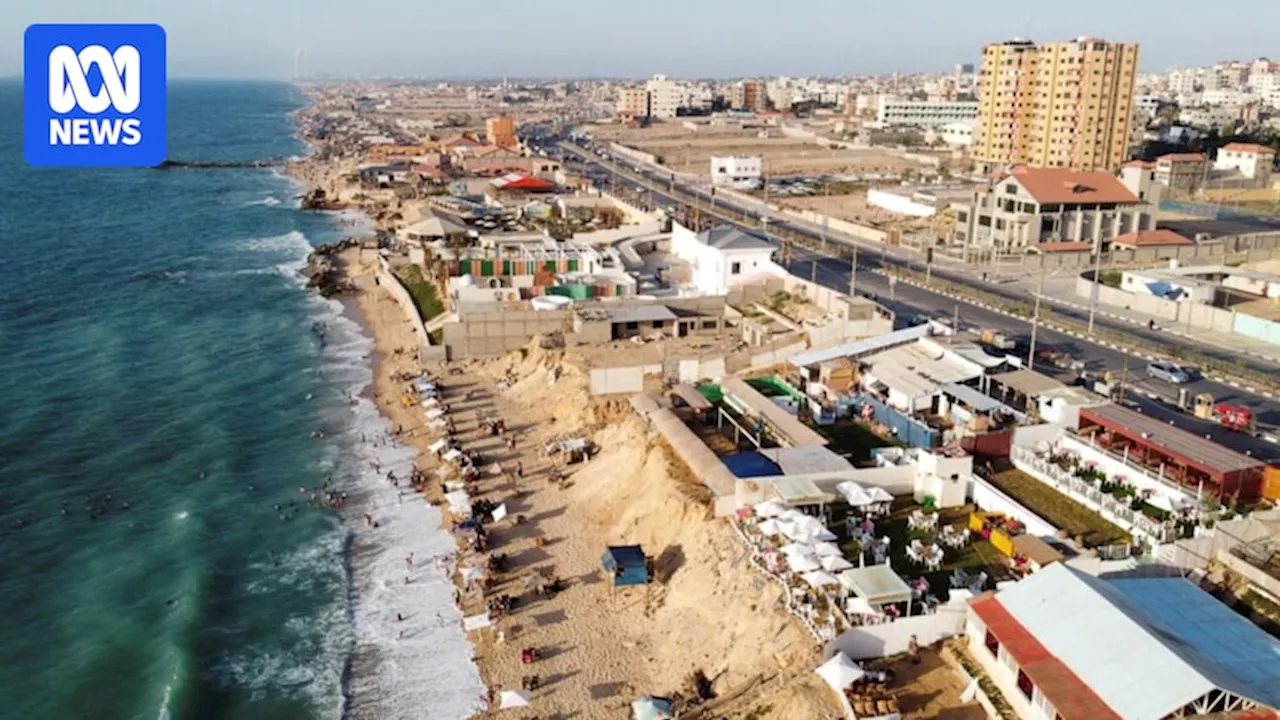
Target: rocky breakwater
[323, 271]
[318, 199]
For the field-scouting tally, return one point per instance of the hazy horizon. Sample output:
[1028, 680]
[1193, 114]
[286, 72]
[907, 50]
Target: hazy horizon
[258, 39]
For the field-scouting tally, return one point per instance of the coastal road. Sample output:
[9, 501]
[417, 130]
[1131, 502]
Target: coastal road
[1153, 397]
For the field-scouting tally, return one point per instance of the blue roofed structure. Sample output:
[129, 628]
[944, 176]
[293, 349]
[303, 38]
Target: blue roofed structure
[627, 564]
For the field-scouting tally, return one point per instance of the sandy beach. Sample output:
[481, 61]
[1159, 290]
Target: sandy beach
[600, 648]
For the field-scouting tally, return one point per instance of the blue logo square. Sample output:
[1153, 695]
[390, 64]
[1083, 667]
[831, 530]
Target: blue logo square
[94, 95]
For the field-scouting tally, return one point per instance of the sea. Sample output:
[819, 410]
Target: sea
[171, 395]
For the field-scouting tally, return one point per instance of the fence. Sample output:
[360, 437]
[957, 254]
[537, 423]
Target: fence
[873, 641]
[906, 430]
[387, 279]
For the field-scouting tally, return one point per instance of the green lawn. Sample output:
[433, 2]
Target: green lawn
[978, 556]
[423, 292]
[1058, 509]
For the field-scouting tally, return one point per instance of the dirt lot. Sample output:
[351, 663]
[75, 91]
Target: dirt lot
[855, 208]
[686, 150]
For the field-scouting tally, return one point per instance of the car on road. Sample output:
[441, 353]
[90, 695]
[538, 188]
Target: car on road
[1170, 372]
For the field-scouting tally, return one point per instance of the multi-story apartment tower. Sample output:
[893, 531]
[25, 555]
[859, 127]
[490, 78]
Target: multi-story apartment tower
[1067, 105]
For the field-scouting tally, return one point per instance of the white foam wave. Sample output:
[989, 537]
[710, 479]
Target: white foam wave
[292, 243]
[269, 201]
[424, 663]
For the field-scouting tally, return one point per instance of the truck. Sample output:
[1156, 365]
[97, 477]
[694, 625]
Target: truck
[997, 340]
[1236, 418]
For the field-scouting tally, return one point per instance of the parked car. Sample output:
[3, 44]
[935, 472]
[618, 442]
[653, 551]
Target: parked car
[1169, 372]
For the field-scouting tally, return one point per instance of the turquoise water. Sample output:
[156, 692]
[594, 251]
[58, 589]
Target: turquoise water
[161, 381]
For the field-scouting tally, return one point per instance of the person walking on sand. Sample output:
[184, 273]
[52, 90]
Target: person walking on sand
[520, 469]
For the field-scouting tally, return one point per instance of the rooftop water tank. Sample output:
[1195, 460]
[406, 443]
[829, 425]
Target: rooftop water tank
[551, 302]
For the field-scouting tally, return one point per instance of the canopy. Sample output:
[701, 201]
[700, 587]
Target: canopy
[840, 672]
[819, 578]
[471, 573]
[514, 699]
[652, 708]
[879, 494]
[796, 548]
[877, 584]
[1167, 503]
[459, 501]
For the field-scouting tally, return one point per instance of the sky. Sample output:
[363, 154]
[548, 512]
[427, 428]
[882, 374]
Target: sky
[617, 38]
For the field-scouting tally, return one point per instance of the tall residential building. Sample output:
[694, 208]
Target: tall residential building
[748, 95]
[501, 131]
[1067, 105]
[665, 97]
[633, 102]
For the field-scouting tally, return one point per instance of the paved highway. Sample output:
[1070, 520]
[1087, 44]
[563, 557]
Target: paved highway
[1150, 396]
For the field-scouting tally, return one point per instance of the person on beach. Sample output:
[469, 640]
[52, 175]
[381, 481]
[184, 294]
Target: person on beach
[399, 617]
[520, 470]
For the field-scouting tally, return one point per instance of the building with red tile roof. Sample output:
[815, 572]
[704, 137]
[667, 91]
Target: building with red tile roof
[1251, 160]
[1031, 208]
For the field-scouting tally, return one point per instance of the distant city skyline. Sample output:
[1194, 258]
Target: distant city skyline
[259, 39]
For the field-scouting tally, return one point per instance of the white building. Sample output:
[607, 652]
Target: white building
[925, 113]
[1065, 644]
[957, 134]
[724, 257]
[1253, 161]
[739, 172]
[665, 97]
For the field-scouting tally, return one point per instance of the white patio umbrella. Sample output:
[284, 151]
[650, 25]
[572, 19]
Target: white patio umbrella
[514, 699]
[803, 563]
[770, 528]
[770, 508]
[823, 535]
[834, 564]
[827, 549]
[819, 578]
[796, 548]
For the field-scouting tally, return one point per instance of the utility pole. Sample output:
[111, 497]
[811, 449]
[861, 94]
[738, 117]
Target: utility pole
[853, 273]
[1124, 380]
[955, 325]
[1097, 278]
[1035, 321]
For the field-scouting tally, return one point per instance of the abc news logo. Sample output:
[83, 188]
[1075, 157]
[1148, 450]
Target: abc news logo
[69, 90]
[94, 95]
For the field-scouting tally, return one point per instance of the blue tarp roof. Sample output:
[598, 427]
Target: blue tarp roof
[625, 556]
[751, 465]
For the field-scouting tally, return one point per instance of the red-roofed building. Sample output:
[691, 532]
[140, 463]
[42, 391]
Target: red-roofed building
[1035, 207]
[1251, 160]
[1182, 171]
[515, 182]
[1149, 238]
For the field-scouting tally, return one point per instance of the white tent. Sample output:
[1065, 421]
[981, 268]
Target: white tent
[879, 494]
[818, 578]
[803, 562]
[823, 535]
[499, 512]
[796, 548]
[459, 501]
[437, 446]
[1168, 503]
[840, 672]
[435, 413]
[834, 564]
[470, 573]
[514, 699]
[770, 508]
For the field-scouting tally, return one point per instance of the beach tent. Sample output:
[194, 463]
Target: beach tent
[438, 446]
[476, 622]
[459, 501]
[854, 494]
[879, 495]
[796, 549]
[627, 564]
[435, 413]
[513, 699]
[652, 708]
[470, 574]
[840, 672]
[499, 512]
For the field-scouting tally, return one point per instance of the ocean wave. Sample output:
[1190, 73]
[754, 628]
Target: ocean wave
[293, 243]
[423, 664]
[269, 201]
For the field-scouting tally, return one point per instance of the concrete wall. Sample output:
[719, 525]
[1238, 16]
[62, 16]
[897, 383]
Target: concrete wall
[608, 381]
[484, 334]
[862, 232]
[630, 213]
[633, 154]
[1267, 331]
[1199, 316]
[989, 497]
[391, 283]
[899, 203]
[609, 237]
[1245, 248]
[874, 641]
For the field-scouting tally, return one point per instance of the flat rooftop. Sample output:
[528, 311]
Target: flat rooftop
[1188, 447]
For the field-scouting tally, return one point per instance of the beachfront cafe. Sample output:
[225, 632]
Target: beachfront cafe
[1170, 454]
[764, 417]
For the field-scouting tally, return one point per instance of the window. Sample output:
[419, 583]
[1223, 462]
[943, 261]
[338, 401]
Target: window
[633, 326]
[735, 268]
[657, 324]
[993, 645]
[1025, 685]
[1042, 702]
